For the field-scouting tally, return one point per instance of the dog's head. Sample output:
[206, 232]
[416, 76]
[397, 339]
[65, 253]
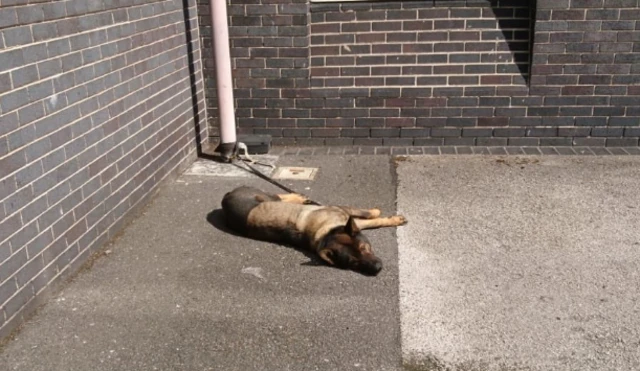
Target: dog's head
[347, 248]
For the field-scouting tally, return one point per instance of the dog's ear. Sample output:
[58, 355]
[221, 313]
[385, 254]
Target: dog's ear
[352, 228]
[326, 254]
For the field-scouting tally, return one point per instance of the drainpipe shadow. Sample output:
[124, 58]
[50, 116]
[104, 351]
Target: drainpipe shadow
[192, 80]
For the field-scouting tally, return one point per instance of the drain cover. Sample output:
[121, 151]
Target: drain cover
[298, 173]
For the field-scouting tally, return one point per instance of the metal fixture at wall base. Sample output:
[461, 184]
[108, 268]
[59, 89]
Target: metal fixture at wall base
[226, 151]
[251, 144]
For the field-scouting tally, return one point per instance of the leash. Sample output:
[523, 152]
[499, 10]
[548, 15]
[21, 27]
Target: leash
[248, 160]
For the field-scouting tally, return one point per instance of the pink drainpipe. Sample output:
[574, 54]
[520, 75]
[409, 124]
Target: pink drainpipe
[224, 79]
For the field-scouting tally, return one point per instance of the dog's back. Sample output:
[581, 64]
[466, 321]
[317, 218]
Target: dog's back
[271, 220]
[238, 203]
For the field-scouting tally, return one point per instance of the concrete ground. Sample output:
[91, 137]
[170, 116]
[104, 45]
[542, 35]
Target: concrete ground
[507, 263]
[520, 263]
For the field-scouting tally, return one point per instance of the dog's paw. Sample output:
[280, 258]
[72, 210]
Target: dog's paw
[295, 198]
[306, 201]
[399, 220]
[375, 213]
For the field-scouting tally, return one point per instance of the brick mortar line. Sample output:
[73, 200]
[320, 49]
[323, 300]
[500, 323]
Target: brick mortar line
[446, 96]
[81, 169]
[403, 31]
[403, 44]
[67, 17]
[88, 98]
[417, 85]
[433, 75]
[416, 54]
[425, 64]
[448, 18]
[445, 150]
[84, 219]
[93, 64]
[81, 252]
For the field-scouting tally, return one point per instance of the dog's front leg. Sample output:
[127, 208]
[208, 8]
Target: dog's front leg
[360, 213]
[392, 221]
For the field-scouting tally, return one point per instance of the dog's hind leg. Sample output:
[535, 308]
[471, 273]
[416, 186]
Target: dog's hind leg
[361, 213]
[392, 221]
[293, 198]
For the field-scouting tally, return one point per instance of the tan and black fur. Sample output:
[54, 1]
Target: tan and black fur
[333, 232]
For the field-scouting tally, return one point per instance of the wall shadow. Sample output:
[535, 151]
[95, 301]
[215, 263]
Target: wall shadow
[510, 23]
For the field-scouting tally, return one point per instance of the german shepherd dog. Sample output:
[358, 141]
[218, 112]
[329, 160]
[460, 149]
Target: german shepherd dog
[332, 232]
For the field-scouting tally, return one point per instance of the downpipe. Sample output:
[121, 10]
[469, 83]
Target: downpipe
[224, 81]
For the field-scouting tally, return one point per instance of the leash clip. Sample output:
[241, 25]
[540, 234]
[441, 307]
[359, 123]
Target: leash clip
[247, 158]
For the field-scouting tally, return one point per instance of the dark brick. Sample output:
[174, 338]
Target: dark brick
[574, 132]
[367, 142]
[624, 121]
[542, 132]
[7, 290]
[462, 121]
[477, 132]
[325, 133]
[509, 132]
[459, 141]
[558, 121]
[622, 142]
[446, 132]
[17, 36]
[399, 142]
[494, 143]
[339, 141]
[414, 132]
[591, 121]
[555, 141]
[385, 133]
[607, 132]
[589, 142]
[632, 132]
[524, 142]
[431, 122]
[493, 121]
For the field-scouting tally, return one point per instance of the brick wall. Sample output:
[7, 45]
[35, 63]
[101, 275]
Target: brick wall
[444, 72]
[420, 47]
[96, 108]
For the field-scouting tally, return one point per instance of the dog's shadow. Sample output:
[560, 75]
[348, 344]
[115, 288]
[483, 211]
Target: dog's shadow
[217, 220]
